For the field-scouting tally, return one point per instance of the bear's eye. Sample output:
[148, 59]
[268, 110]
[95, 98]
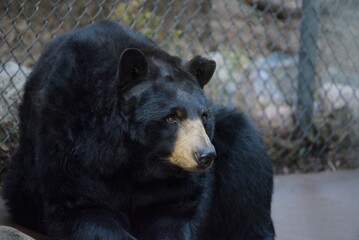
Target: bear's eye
[204, 117]
[172, 118]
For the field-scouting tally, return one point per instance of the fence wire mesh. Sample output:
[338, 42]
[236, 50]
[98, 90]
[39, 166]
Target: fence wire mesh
[291, 65]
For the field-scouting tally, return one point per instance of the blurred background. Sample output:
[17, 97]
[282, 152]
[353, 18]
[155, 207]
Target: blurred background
[291, 65]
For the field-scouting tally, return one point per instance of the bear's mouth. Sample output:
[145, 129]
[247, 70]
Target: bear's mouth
[193, 168]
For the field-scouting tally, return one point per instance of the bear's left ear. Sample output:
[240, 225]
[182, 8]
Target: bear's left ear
[132, 68]
[202, 69]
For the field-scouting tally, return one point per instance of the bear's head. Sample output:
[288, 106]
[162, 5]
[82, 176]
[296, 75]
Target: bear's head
[165, 108]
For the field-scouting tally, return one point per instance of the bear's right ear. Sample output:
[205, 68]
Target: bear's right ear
[202, 68]
[132, 68]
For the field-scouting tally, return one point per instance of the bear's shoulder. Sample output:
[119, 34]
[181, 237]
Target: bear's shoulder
[231, 122]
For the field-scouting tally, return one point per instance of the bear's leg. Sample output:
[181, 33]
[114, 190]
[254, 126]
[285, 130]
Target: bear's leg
[164, 228]
[87, 223]
[19, 190]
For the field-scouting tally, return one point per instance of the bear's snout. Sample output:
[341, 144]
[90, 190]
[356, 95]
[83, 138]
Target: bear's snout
[193, 150]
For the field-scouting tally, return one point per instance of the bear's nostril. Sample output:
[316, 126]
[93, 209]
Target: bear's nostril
[205, 161]
[206, 158]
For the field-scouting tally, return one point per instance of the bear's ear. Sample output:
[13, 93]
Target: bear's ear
[132, 68]
[202, 69]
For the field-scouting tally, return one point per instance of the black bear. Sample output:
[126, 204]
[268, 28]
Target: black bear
[118, 141]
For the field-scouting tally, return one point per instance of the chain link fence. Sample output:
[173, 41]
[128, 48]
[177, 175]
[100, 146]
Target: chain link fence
[291, 65]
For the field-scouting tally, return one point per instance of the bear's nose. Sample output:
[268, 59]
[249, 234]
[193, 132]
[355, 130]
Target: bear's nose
[205, 157]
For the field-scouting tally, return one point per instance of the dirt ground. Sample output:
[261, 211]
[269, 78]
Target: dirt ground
[317, 206]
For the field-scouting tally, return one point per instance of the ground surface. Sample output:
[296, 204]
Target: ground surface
[317, 206]
[305, 207]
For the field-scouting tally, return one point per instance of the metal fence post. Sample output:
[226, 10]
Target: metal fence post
[307, 65]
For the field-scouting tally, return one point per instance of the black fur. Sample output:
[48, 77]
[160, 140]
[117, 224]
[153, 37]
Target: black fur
[92, 158]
